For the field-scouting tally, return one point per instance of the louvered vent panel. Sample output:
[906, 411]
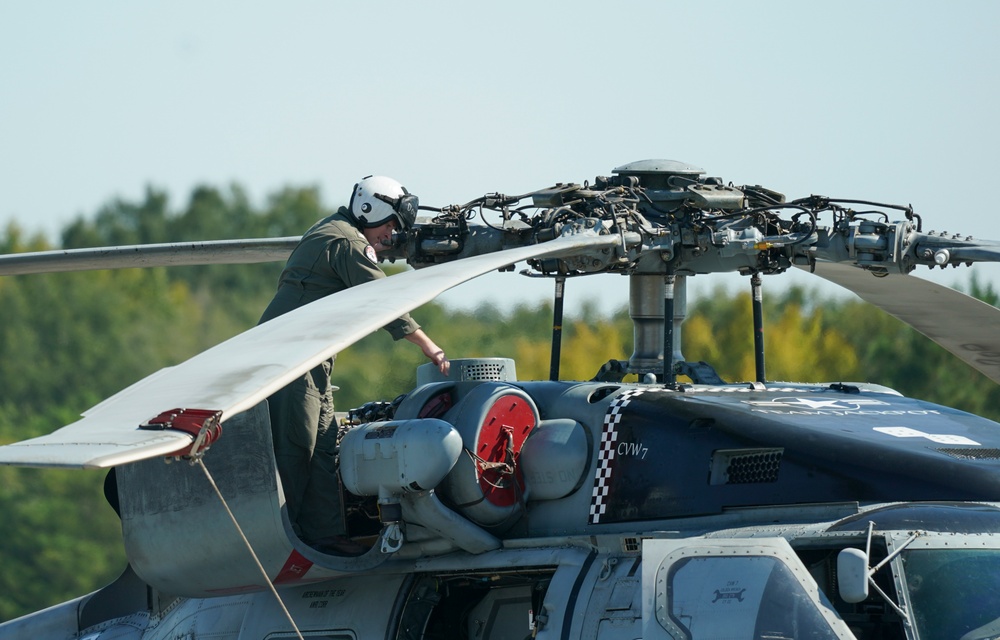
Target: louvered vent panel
[484, 371]
[972, 454]
[745, 466]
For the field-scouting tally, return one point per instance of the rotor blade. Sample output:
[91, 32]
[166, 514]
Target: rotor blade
[173, 254]
[237, 374]
[965, 326]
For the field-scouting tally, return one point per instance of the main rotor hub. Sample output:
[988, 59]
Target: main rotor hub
[661, 174]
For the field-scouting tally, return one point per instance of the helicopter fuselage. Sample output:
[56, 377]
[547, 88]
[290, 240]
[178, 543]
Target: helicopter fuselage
[626, 510]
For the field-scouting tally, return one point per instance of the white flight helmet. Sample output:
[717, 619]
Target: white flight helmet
[378, 199]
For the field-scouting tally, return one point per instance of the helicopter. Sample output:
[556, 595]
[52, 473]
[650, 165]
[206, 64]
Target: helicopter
[679, 505]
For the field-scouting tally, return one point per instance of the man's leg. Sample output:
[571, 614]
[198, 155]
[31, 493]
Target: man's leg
[322, 514]
[295, 412]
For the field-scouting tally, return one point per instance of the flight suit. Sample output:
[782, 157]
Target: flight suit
[332, 256]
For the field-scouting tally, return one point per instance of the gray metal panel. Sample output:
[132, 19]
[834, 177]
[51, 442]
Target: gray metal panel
[55, 623]
[360, 605]
[166, 507]
[672, 167]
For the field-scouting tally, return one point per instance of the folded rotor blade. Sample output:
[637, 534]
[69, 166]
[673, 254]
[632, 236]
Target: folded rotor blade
[965, 326]
[237, 374]
[173, 254]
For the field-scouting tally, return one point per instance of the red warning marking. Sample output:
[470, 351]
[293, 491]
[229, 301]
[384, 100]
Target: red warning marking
[295, 568]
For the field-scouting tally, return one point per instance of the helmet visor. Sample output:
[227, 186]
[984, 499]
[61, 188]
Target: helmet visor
[406, 210]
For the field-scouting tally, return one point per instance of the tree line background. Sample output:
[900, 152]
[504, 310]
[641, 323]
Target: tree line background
[69, 340]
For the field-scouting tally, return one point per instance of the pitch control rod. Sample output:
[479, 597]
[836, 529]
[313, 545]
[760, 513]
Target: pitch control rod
[758, 326]
[669, 378]
[557, 320]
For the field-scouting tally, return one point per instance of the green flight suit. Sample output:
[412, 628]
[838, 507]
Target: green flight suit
[332, 256]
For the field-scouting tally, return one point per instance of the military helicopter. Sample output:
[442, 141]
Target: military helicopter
[677, 506]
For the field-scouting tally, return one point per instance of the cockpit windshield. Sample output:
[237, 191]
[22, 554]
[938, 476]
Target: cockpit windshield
[954, 593]
[742, 597]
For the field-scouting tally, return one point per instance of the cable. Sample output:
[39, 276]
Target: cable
[198, 460]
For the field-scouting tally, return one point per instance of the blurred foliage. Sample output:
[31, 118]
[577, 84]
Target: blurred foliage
[58, 538]
[799, 343]
[69, 340]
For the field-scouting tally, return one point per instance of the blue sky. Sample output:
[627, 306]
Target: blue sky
[890, 101]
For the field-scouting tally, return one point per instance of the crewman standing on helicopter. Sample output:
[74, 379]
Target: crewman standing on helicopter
[338, 252]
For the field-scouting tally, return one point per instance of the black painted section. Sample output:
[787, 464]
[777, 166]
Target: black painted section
[831, 451]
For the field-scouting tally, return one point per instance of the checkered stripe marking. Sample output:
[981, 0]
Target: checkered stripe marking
[609, 437]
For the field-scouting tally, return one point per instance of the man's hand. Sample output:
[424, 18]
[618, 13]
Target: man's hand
[443, 365]
[431, 350]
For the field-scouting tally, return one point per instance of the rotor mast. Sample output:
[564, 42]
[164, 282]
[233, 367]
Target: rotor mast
[647, 301]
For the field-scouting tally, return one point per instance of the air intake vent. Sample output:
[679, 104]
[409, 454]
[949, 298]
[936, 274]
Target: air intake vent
[470, 370]
[972, 454]
[745, 466]
[492, 371]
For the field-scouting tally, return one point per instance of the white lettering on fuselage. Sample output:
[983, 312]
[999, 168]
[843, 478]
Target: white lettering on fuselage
[831, 412]
[940, 438]
[634, 449]
[832, 407]
[813, 404]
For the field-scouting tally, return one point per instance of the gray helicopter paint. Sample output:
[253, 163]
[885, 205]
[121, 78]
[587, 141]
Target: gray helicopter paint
[165, 505]
[177, 567]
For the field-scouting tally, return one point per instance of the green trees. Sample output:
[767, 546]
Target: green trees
[69, 340]
[60, 539]
[799, 342]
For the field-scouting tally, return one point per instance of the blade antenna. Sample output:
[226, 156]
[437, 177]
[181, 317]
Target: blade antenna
[557, 320]
[669, 378]
[758, 326]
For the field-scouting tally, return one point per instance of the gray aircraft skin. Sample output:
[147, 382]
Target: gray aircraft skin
[496, 508]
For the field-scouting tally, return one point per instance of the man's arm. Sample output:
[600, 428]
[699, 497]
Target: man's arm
[430, 349]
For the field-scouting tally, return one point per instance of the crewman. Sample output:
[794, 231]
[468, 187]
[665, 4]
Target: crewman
[338, 252]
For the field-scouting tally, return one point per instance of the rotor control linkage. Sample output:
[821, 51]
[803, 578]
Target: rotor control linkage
[669, 377]
[671, 213]
[557, 321]
[758, 326]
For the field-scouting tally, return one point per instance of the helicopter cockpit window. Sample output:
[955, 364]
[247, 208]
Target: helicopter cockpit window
[954, 593]
[739, 597]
